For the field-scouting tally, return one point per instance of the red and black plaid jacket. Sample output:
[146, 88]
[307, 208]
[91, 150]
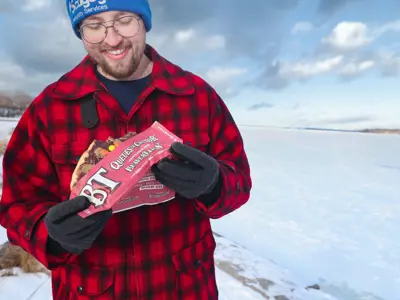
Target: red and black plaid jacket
[162, 252]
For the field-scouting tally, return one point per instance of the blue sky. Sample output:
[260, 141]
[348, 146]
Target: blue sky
[286, 63]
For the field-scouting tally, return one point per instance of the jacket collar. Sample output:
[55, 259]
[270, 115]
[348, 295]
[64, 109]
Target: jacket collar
[82, 80]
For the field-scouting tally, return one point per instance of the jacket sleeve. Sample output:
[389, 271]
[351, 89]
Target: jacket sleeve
[30, 188]
[226, 145]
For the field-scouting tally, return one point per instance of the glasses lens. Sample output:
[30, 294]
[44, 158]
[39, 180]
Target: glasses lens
[127, 26]
[96, 32]
[93, 33]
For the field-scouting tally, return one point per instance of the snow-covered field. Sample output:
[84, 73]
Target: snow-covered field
[324, 209]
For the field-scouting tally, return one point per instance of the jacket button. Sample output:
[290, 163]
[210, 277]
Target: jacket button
[26, 233]
[198, 263]
[80, 289]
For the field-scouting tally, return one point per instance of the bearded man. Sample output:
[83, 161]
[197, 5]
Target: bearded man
[160, 252]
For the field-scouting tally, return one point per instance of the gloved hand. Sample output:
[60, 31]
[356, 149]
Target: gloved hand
[72, 232]
[191, 173]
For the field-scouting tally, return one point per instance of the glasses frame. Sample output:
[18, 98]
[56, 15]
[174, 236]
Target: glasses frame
[109, 26]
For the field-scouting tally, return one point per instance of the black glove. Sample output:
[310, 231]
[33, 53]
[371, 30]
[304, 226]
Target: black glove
[191, 173]
[71, 232]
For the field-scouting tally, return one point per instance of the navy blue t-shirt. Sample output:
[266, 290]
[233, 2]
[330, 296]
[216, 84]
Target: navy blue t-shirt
[126, 92]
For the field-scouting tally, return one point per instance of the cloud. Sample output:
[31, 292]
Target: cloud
[222, 75]
[260, 105]
[11, 71]
[23, 5]
[304, 69]
[31, 5]
[345, 120]
[200, 36]
[5, 5]
[190, 36]
[331, 6]
[334, 119]
[347, 52]
[302, 27]
[270, 78]
[355, 68]
[356, 41]
[187, 45]
[213, 39]
[15, 78]
[241, 24]
[388, 27]
[51, 48]
[352, 36]
[388, 63]
[225, 79]
[280, 74]
[348, 36]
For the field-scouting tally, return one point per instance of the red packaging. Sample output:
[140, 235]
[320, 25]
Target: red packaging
[122, 180]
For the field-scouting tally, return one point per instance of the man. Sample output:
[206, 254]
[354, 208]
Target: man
[156, 252]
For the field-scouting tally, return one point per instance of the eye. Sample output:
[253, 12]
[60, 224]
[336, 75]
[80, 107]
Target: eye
[125, 20]
[94, 26]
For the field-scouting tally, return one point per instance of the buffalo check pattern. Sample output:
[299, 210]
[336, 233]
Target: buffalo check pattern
[161, 252]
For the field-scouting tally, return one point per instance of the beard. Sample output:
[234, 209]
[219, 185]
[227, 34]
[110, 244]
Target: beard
[119, 69]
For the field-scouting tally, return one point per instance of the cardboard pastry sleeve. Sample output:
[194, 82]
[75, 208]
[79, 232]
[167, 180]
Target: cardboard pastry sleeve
[122, 180]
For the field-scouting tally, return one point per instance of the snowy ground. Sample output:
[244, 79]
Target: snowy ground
[325, 205]
[323, 210]
[240, 274]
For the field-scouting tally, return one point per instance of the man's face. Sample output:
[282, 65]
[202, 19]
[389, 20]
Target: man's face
[117, 57]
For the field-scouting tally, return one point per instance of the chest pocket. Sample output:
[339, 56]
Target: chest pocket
[65, 157]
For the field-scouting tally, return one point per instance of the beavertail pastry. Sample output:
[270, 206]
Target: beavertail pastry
[96, 152]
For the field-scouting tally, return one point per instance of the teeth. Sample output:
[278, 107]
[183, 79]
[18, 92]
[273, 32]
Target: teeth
[116, 52]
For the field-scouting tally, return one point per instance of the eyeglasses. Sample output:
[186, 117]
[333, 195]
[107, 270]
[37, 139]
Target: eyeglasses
[94, 33]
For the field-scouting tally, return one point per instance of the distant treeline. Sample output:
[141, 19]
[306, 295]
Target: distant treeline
[372, 130]
[367, 130]
[13, 104]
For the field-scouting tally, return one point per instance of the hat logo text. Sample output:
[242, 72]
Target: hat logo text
[74, 5]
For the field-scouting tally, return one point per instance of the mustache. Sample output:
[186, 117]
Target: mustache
[120, 46]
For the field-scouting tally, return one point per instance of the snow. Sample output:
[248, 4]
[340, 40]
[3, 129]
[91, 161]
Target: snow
[323, 210]
[258, 275]
[324, 205]
[6, 127]
[26, 286]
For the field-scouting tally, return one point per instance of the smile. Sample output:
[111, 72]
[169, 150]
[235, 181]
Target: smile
[116, 54]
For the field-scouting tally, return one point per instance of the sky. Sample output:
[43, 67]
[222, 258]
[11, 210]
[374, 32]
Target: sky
[280, 63]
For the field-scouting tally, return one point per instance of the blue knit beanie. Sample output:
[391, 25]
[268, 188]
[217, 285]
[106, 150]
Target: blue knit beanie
[78, 10]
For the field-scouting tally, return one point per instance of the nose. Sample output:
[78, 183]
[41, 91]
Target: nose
[112, 38]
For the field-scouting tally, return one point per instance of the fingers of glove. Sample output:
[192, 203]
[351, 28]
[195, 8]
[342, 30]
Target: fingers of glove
[94, 227]
[172, 178]
[84, 231]
[67, 208]
[189, 192]
[81, 240]
[176, 184]
[157, 174]
[178, 170]
[193, 155]
[76, 223]
[70, 226]
[65, 241]
[186, 189]
[76, 245]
